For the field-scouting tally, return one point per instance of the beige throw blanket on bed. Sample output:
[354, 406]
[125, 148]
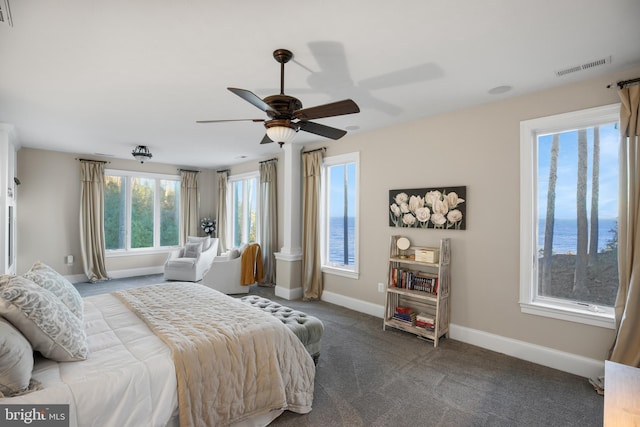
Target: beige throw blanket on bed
[232, 360]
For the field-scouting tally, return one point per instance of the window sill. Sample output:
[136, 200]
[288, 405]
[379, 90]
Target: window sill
[340, 272]
[134, 252]
[571, 314]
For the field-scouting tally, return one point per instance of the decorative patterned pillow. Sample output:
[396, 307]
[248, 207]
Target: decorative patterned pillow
[51, 328]
[16, 361]
[192, 250]
[45, 276]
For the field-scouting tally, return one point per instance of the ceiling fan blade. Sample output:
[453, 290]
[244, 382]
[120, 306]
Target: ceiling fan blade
[229, 120]
[266, 139]
[346, 106]
[252, 98]
[322, 130]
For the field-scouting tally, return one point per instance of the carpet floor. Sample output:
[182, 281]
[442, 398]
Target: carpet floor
[370, 377]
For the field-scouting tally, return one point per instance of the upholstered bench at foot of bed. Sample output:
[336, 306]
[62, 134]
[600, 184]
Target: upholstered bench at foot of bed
[307, 328]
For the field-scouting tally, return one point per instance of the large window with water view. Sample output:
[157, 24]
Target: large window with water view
[141, 212]
[574, 209]
[340, 196]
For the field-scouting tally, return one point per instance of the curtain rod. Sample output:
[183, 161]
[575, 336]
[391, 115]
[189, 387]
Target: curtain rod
[223, 170]
[90, 160]
[275, 159]
[317, 149]
[624, 83]
[187, 170]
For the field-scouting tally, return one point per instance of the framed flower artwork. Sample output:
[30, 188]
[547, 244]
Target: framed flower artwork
[442, 208]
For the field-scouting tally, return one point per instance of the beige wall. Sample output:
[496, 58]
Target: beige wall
[49, 206]
[477, 147]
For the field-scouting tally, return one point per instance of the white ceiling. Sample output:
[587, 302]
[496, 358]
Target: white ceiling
[91, 76]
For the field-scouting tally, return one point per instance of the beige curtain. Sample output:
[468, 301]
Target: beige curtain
[92, 244]
[221, 216]
[626, 347]
[189, 204]
[268, 218]
[311, 273]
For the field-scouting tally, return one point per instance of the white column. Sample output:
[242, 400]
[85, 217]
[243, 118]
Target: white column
[289, 259]
[292, 249]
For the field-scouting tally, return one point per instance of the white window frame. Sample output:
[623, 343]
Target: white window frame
[128, 250]
[530, 302]
[231, 180]
[352, 273]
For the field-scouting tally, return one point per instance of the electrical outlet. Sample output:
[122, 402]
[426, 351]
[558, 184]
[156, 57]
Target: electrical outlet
[380, 287]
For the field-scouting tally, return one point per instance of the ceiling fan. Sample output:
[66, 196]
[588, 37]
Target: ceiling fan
[285, 113]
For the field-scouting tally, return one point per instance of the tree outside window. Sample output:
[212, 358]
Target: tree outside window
[141, 212]
[340, 215]
[244, 206]
[569, 203]
[577, 222]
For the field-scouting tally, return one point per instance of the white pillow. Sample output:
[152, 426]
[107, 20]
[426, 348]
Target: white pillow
[206, 241]
[192, 250]
[16, 361]
[51, 328]
[45, 276]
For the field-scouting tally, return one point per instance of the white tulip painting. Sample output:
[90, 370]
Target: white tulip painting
[441, 208]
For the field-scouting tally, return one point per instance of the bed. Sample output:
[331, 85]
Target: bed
[247, 366]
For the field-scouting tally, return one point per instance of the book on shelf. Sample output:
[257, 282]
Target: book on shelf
[405, 321]
[401, 309]
[424, 320]
[405, 315]
[427, 326]
[413, 280]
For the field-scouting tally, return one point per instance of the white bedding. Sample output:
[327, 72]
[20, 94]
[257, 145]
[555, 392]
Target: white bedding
[133, 368]
[232, 361]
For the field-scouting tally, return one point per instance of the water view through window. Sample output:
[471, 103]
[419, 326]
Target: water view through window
[342, 204]
[577, 215]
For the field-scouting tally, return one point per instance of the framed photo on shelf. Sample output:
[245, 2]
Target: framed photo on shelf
[440, 208]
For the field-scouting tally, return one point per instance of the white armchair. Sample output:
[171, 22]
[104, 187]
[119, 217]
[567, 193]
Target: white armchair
[224, 274]
[191, 263]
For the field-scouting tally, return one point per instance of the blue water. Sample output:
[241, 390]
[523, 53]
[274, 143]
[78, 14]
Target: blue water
[565, 237]
[336, 240]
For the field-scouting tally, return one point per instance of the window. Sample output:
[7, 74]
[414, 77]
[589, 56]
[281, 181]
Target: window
[569, 209]
[339, 207]
[141, 212]
[244, 208]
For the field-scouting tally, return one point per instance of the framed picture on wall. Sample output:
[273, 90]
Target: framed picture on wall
[441, 208]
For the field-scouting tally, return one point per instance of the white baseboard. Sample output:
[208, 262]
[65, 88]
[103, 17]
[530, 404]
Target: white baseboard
[545, 356]
[133, 272]
[76, 278]
[120, 274]
[354, 304]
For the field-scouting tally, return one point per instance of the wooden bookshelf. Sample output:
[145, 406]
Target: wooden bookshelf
[417, 294]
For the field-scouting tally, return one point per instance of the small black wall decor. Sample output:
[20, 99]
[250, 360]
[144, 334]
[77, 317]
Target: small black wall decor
[441, 208]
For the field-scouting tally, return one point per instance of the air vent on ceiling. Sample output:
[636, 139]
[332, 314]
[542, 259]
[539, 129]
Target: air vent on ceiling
[586, 66]
[5, 13]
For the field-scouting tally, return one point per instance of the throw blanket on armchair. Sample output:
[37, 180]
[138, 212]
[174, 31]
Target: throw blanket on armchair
[232, 361]
[251, 265]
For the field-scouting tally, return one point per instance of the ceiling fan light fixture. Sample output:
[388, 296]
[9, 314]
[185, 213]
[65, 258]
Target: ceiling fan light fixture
[141, 153]
[282, 133]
